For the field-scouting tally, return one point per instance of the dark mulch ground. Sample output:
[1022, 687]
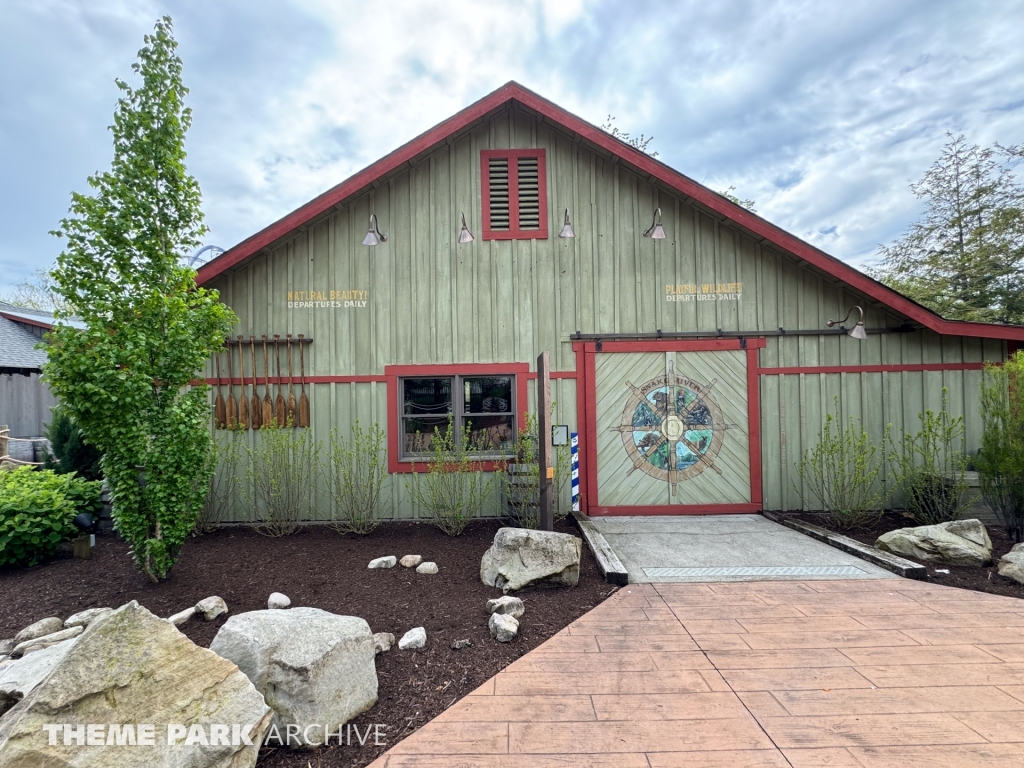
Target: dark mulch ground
[317, 567]
[985, 579]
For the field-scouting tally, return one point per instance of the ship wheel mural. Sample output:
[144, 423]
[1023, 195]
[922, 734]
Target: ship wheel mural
[672, 428]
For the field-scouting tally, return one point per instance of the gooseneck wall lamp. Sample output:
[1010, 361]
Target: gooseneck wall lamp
[857, 332]
[373, 235]
[656, 232]
[567, 227]
[465, 236]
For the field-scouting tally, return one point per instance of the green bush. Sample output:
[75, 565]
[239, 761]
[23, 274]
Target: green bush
[357, 467]
[68, 450]
[1001, 458]
[36, 510]
[283, 474]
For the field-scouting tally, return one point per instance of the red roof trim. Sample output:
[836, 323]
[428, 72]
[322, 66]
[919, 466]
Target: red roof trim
[682, 184]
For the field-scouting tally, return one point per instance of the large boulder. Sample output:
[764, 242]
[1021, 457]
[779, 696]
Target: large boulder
[312, 666]
[21, 676]
[961, 542]
[520, 557]
[1011, 565]
[134, 670]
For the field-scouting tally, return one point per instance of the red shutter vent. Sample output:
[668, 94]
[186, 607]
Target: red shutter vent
[514, 194]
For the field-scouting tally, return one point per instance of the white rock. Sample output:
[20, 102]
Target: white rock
[413, 639]
[383, 562]
[510, 606]
[962, 542]
[21, 676]
[503, 626]
[181, 617]
[86, 617]
[1011, 565]
[46, 641]
[212, 607]
[427, 568]
[314, 667]
[38, 629]
[411, 561]
[278, 601]
[382, 642]
[458, 645]
[6, 646]
[520, 557]
[131, 667]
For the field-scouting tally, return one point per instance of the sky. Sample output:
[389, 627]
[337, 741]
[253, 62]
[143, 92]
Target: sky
[822, 112]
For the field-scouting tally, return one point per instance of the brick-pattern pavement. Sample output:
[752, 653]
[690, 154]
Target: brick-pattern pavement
[851, 674]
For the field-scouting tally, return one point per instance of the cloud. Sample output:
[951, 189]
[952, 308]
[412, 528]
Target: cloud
[821, 112]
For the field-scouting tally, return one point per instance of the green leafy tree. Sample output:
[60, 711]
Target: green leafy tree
[640, 142]
[125, 377]
[730, 195]
[1001, 458]
[965, 257]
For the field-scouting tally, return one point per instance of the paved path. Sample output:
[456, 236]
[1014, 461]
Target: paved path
[850, 674]
[699, 548]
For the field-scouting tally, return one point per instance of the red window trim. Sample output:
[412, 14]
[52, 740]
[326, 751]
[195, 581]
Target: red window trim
[392, 373]
[513, 232]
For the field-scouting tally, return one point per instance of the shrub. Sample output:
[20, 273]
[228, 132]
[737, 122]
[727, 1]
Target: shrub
[929, 468]
[358, 467]
[1001, 458]
[521, 477]
[36, 510]
[68, 450]
[841, 474]
[454, 487]
[224, 481]
[283, 472]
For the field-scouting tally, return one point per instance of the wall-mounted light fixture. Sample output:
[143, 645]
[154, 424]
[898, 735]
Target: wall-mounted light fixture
[857, 332]
[373, 235]
[567, 227]
[656, 232]
[465, 236]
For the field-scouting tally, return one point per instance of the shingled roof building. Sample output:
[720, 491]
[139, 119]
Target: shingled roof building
[691, 343]
[25, 402]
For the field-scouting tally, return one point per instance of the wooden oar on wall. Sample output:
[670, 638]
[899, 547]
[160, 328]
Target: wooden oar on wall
[220, 414]
[232, 409]
[291, 392]
[279, 400]
[303, 400]
[255, 409]
[243, 403]
[268, 405]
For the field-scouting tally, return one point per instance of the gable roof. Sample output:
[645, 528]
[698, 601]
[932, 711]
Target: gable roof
[18, 348]
[684, 185]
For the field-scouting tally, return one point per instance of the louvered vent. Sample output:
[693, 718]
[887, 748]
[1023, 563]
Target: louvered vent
[529, 193]
[497, 171]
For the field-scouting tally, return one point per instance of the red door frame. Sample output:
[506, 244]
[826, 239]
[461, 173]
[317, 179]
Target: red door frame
[586, 419]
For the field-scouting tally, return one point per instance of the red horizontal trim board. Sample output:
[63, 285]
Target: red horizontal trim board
[295, 380]
[872, 368]
[678, 509]
[686, 186]
[532, 375]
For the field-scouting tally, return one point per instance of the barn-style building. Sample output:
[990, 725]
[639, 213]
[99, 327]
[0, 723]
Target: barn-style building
[690, 340]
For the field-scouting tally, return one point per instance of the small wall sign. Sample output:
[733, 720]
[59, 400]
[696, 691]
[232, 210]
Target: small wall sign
[704, 292]
[328, 299]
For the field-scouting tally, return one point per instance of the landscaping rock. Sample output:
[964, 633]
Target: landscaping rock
[131, 667]
[411, 561]
[428, 568]
[383, 562]
[180, 618]
[278, 601]
[6, 646]
[46, 641]
[413, 639]
[21, 676]
[1011, 565]
[503, 627]
[520, 557]
[38, 629]
[212, 607]
[458, 645]
[962, 542]
[84, 618]
[382, 642]
[510, 606]
[312, 666]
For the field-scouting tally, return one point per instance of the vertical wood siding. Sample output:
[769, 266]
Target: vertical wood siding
[431, 300]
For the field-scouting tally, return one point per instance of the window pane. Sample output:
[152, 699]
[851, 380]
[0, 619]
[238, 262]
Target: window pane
[427, 397]
[491, 434]
[487, 394]
[418, 433]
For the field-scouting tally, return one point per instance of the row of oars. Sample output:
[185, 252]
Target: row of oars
[251, 411]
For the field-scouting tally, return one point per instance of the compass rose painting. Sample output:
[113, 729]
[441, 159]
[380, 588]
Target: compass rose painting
[672, 428]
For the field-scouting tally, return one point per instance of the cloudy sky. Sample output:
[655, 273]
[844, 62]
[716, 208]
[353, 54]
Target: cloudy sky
[822, 112]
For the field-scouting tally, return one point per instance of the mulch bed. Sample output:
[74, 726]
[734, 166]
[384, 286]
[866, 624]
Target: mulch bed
[986, 579]
[317, 567]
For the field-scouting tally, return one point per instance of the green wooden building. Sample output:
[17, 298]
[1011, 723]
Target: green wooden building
[689, 338]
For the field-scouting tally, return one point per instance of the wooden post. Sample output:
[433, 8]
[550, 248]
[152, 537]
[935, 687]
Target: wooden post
[546, 474]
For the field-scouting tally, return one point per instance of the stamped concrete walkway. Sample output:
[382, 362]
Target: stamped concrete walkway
[848, 674]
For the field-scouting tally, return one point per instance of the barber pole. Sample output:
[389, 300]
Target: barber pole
[574, 446]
